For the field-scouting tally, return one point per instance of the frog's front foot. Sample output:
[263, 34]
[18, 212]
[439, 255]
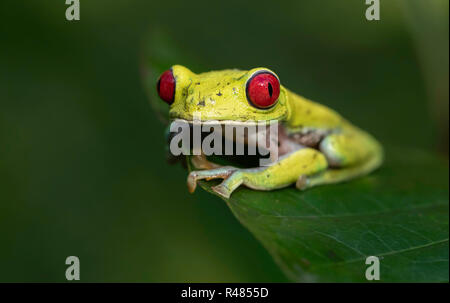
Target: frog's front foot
[233, 181]
[223, 172]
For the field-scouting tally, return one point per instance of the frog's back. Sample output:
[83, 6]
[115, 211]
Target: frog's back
[304, 113]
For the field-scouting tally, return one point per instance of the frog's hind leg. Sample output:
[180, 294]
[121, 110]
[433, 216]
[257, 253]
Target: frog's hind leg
[336, 175]
[349, 155]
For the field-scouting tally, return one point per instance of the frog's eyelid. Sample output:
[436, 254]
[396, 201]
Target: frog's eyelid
[260, 71]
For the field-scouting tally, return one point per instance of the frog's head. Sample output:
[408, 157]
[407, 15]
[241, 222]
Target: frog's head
[228, 95]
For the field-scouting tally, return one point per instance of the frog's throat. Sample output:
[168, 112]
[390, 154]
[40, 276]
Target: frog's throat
[283, 142]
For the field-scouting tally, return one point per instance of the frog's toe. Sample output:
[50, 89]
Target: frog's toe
[222, 191]
[230, 183]
[192, 181]
[302, 182]
[194, 176]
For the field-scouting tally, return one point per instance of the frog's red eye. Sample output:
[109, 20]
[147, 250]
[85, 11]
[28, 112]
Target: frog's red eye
[263, 89]
[166, 86]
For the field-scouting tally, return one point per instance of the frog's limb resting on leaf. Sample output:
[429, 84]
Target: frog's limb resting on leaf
[340, 157]
[351, 154]
[222, 172]
[306, 161]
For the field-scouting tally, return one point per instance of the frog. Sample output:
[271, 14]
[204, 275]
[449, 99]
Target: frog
[317, 146]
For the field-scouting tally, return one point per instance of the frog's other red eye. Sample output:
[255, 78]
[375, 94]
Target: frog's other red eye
[166, 86]
[263, 90]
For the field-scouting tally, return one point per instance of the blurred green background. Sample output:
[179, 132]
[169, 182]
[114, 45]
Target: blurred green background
[82, 154]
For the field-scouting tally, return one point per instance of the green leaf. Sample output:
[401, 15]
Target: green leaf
[399, 214]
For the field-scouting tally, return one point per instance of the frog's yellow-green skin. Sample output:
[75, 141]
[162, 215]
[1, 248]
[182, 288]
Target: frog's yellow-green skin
[343, 152]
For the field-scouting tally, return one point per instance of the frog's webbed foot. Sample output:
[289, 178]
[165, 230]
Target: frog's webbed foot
[208, 171]
[223, 172]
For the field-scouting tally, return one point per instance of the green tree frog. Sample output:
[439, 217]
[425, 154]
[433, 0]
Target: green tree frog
[316, 145]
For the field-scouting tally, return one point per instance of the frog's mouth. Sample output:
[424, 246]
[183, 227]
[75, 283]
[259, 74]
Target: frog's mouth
[241, 142]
